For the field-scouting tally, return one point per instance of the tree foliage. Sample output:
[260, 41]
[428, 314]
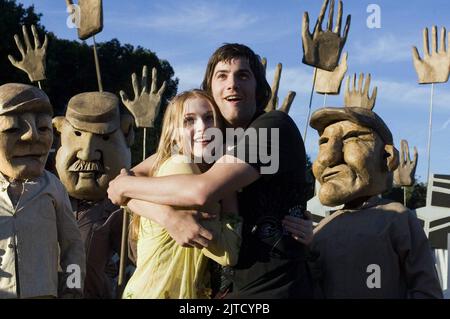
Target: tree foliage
[416, 195]
[71, 66]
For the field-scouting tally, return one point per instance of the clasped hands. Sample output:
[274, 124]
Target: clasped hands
[184, 225]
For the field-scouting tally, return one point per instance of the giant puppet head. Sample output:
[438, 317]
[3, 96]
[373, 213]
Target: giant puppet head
[95, 144]
[356, 157]
[25, 131]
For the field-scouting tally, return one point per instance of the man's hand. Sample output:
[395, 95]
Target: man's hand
[322, 49]
[301, 229]
[434, 67]
[33, 59]
[184, 227]
[359, 97]
[404, 175]
[328, 82]
[116, 186]
[145, 105]
[273, 103]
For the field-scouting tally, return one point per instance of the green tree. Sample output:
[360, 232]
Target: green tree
[71, 67]
[416, 195]
[12, 17]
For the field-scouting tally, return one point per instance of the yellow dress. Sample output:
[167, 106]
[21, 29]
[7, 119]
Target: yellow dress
[165, 269]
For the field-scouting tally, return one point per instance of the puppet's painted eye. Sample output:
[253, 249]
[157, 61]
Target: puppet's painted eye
[11, 130]
[323, 140]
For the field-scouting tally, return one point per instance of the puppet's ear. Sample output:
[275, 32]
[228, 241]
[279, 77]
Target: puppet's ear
[58, 123]
[391, 155]
[126, 124]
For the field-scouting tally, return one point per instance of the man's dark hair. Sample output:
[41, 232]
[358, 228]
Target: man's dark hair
[230, 51]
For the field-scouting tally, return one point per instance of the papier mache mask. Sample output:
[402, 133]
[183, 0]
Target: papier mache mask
[356, 158]
[95, 144]
[25, 131]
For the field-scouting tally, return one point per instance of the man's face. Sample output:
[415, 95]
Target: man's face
[233, 87]
[86, 162]
[25, 141]
[350, 164]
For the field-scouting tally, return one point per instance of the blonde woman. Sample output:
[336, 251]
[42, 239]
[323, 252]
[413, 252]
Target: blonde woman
[164, 268]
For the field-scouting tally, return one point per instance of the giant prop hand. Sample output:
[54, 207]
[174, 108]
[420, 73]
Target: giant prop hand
[329, 82]
[87, 16]
[33, 59]
[359, 97]
[273, 103]
[435, 65]
[404, 175]
[145, 105]
[323, 48]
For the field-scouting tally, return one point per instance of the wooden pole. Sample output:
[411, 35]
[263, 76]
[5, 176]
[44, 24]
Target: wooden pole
[404, 196]
[97, 67]
[430, 126]
[123, 252]
[310, 103]
[144, 148]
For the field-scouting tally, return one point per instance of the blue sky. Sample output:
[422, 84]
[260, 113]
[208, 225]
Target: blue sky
[186, 33]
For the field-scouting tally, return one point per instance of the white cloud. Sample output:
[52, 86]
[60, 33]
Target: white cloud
[193, 18]
[190, 76]
[405, 94]
[386, 48]
[445, 125]
[297, 79]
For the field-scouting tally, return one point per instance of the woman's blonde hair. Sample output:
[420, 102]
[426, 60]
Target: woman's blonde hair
[172, 141]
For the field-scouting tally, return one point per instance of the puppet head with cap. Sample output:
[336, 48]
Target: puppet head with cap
[95, 144]
[26, 133]
[356, 158]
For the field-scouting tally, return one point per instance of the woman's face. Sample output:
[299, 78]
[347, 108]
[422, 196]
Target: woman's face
[198, 117]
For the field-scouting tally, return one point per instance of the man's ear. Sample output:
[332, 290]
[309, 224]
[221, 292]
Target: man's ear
[58, 123]
[391, 156]
[126, 124]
